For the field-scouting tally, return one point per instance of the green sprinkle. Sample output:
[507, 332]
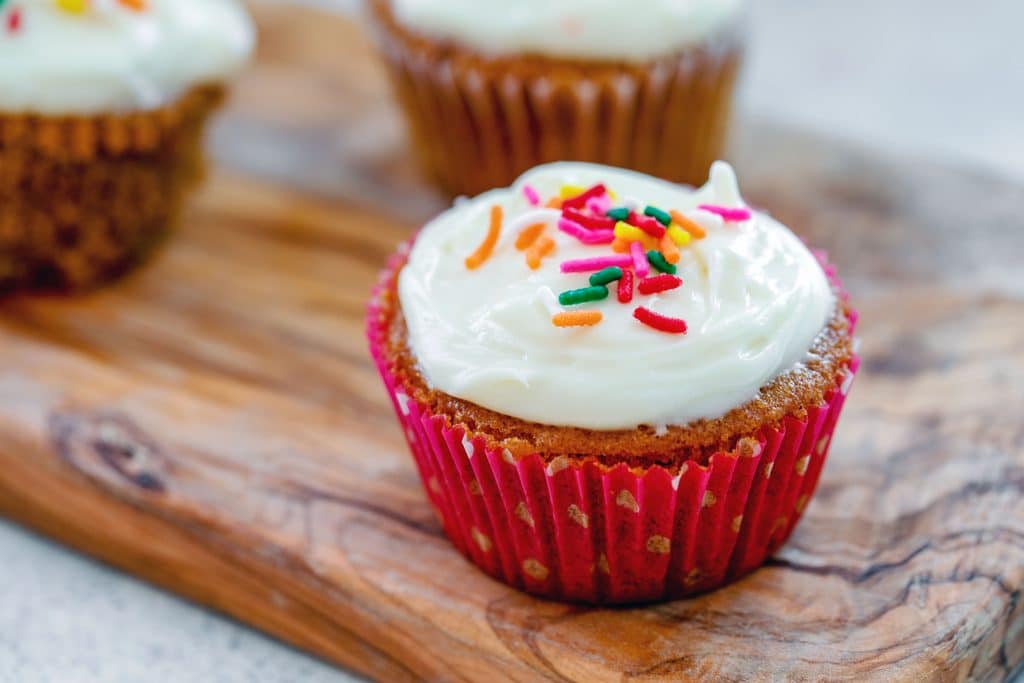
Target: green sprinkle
[620, 214]
[655, 212]
[603, 277]
[581, 296]
[659, 262]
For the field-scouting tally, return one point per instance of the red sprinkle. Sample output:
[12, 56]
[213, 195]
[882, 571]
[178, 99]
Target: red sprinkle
[662, 323]
[580, 200]
[658, 283]
[591, 222]
[14, 20]
[648, 225]
[625, 291]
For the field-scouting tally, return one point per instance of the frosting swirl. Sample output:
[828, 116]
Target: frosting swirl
[116, 56]
[753, 296]
[590, 29]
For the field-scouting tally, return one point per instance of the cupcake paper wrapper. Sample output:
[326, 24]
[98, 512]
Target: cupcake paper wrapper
[478, 124]
[82, 196]
[590, 533]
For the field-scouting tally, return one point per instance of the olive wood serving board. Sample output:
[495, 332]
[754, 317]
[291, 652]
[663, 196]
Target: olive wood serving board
[213, 423]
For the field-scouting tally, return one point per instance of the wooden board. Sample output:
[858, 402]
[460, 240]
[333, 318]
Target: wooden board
[214, 425]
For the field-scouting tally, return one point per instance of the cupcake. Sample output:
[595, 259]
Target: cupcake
[492, 89]
[102, 106]
[616, 389]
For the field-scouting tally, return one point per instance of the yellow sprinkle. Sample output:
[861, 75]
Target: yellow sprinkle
[568, 191]
[630, 233]
[612, 195]
[73, 6]
[678, 235]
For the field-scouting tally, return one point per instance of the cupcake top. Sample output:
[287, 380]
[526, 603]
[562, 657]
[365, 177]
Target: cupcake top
[101, 56]
[598, 298]
[638, 30]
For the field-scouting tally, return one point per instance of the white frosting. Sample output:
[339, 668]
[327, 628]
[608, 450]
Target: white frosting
[637, 30]
[753, 295]
[112, 58]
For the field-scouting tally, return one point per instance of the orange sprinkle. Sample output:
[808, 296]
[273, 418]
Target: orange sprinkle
[554, 203]
[688, 225]
[576, 318]
[137, 5]
[669, 249]
[620, 246]
[529, 235]
[483, 252]
[541, 248]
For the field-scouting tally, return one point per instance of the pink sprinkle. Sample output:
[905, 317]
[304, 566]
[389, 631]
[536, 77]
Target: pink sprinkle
[639, 259]
[583, 235]
[726, 213]
[599, 205]
[531, 195]
[587, 265]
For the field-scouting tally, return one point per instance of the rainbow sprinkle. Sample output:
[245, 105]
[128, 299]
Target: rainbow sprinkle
[619, 214]
[586, 265]
[625, 289]
[14, 19]
[528, 235]
[640, 264]
[728, 214]
[581, 296]
[660, 264]
[693, 228]
[641, 238]
[531, 195]
[576, 318]
[580, 200]
[654, 212]
[606, 276]
[486, 248]
[583, 235]
[658, 283]
[662, 323]
[536, 253]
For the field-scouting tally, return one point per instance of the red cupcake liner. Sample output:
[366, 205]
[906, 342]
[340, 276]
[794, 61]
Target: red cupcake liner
[585, 532]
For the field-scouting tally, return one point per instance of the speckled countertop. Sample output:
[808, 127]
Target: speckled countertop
[875, 70]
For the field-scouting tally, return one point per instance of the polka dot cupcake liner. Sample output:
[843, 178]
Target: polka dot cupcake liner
[584, 532]
[478, 123]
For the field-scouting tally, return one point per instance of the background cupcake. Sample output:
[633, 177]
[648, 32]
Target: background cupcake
[492, 89]
[102, 106]
[616, 389]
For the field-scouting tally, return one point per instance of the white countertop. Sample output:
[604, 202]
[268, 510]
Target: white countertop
[938, 77]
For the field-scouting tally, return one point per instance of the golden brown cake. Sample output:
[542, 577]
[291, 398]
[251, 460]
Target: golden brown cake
[484, 103]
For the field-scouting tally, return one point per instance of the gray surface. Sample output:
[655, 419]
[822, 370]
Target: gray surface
[935, 76]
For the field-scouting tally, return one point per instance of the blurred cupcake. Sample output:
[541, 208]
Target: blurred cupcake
[614, 397]
[492, 89]
[102, 106]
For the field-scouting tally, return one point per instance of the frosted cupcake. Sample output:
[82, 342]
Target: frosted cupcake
[102, 106]
[616, 389]
[492, 89]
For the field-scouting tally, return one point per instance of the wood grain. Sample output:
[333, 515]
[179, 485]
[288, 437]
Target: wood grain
[213, 423]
